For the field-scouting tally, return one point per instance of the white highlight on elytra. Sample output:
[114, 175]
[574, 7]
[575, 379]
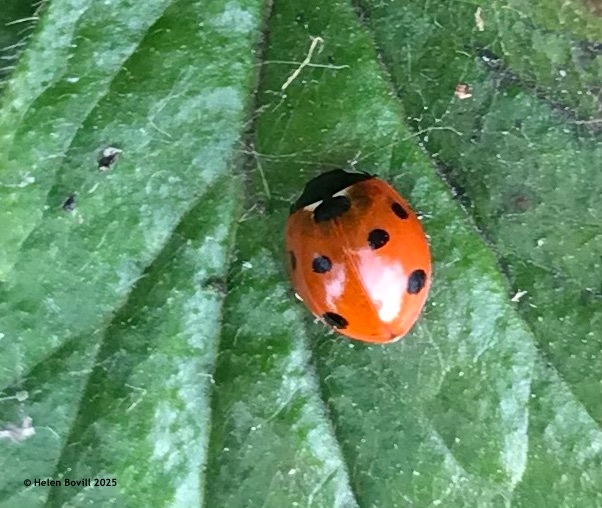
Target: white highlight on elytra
[384, 282]
[335, 286]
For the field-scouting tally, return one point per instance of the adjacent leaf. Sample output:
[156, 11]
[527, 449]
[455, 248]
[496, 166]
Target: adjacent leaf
[466, 410]
[17, 20]
[153, 373]
[550, 46]
[529, 175]
[121, 76]
[177, 125]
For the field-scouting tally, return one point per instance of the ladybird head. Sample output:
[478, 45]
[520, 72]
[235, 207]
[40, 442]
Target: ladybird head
[323, 187]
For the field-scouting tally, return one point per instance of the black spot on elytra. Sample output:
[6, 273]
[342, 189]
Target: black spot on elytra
[293, 259]
[321, 264]
[335, 320]
[377, 238]
[416, 281]
[331, 208]
[399, 211]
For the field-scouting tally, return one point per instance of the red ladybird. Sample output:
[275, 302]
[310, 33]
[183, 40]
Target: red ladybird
[358, 256]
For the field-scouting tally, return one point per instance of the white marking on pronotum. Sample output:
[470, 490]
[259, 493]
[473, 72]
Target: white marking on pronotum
[313, 206]
[343, 192]
[314, 42]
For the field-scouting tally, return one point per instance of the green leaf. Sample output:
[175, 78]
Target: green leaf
[17, 20]
[151, 334]
[173, 150]
[67, 274]
[529, 175]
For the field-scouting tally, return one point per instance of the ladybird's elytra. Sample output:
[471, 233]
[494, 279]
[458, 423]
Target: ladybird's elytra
[358, 256]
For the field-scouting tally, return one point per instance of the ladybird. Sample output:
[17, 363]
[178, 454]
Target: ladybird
[358, 256]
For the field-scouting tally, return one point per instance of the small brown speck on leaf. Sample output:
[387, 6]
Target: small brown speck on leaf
[462, 91]
[216, 283]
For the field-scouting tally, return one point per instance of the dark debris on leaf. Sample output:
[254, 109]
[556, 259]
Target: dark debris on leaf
[69, 203]
[489, 58]
[107, 157]
[215, 283]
